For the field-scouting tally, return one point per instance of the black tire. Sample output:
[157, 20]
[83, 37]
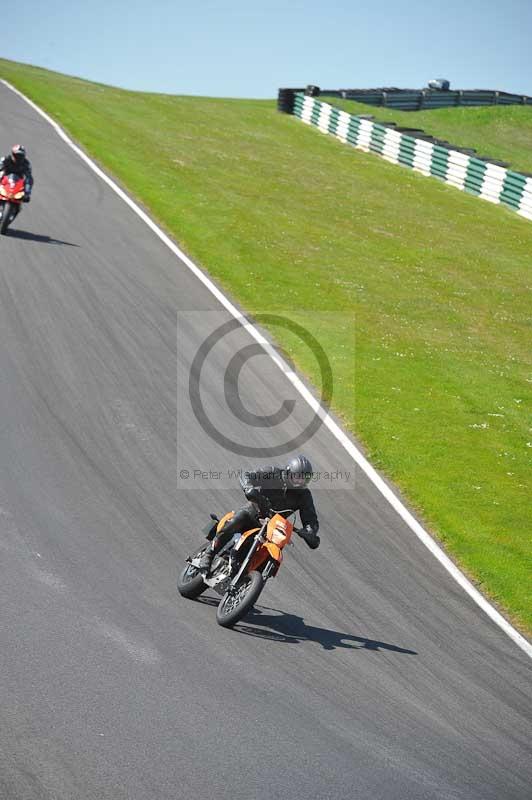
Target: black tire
[190, 583]
[6, 213]
[232, 608]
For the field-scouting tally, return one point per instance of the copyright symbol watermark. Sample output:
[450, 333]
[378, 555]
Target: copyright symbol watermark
[226, 369]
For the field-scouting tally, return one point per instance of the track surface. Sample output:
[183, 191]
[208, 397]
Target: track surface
[366, 671]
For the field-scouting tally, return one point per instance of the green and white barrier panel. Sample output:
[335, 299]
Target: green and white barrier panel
[482, 178]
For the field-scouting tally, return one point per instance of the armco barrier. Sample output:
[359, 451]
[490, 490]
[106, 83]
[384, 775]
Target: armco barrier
[426, 99]
[489, 180]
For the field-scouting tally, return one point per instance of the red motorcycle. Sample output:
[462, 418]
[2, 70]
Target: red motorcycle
[11, 196]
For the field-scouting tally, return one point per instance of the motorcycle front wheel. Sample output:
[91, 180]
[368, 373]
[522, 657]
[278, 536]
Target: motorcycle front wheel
[236, 603]
[6, 214]
[190, 583]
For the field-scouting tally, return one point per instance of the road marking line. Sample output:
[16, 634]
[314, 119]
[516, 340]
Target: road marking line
[337, 432]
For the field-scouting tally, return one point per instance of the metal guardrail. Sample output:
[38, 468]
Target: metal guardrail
[423, 99]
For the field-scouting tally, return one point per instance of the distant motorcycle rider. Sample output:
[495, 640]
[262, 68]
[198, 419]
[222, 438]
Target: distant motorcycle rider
[271, 488]
[16, 163]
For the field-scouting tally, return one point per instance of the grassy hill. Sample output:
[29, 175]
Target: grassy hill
[424, 290]
[501, 132]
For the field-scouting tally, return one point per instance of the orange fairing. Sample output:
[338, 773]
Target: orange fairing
[279, 531]
[224, 519]
[264, 553]
[278, 534]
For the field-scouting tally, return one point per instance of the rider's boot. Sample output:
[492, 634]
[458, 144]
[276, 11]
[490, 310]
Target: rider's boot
[206, 560]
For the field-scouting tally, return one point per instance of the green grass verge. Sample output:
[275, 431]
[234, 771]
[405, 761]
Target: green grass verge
[500, 132]
[439, 284]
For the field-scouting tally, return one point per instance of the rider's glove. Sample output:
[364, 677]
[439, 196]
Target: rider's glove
[311, 537]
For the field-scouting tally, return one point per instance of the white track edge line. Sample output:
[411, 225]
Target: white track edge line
[337, 432]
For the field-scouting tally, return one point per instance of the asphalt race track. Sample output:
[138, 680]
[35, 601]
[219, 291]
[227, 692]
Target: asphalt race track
[365, 672]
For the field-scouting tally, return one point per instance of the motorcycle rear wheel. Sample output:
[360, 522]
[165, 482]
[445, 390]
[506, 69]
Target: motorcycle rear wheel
[235, 604]
[6, 214]
[190, 583]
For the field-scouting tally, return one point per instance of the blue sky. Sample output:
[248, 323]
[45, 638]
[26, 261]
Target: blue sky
[241, 48]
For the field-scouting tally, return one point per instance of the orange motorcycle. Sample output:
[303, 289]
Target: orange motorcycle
[241, 567]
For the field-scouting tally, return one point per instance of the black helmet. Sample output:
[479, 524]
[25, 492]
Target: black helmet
[298, 472]
[18, 151]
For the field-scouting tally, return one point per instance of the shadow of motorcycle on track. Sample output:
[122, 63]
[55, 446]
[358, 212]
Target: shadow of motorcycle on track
[291, 629]
[37, 237]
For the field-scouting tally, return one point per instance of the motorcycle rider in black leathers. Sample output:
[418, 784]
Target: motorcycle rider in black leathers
[271, 488]
[16, 163]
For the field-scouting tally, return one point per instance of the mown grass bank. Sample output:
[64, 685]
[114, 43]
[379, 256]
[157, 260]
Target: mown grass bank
[499, 132]
[439, 284]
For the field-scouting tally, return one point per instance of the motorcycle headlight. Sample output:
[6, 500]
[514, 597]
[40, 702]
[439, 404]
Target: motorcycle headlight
[2, 190]
[18, 195]
[279, 538]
